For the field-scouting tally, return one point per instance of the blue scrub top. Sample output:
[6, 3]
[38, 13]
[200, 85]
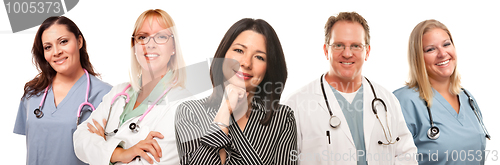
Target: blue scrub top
[353, 113]
[49, 140]
[462, 140]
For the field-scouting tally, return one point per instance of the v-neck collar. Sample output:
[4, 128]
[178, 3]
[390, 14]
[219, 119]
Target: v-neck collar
[129, 110]
[70, 93]
[446, 105]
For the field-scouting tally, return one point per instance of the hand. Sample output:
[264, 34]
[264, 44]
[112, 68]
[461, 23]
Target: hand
[235, 98]
[140, 149]
[97, 129]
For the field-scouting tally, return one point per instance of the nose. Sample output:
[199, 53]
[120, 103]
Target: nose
[246, 61]
[57, 51]
[441, 52]
[347, 53]
[151, 43]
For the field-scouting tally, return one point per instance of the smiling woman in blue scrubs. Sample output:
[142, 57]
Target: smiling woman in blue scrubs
[48, 110]
[434, 98]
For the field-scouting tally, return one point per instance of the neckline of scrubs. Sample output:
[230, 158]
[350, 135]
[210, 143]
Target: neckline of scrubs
[129, 111]
[446, 105]
[50, 94]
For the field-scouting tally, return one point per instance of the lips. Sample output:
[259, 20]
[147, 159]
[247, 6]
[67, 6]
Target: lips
[151, 56]
[244, 76]
[443, 63]
[61, 61]
[347, 63]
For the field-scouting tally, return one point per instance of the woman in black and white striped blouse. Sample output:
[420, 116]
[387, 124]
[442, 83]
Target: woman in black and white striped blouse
[241, 122]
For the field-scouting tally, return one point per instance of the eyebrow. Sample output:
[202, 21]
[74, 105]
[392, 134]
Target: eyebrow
[258, 51]
[48, 42]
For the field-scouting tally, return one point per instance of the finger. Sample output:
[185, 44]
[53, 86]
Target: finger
[148, 147]
[91, 128]
[104, 122]
[100, 130]
[144, 155]
[153, 134]
[157, 147]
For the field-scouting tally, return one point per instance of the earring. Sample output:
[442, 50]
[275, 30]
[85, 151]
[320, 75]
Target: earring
[173, 53]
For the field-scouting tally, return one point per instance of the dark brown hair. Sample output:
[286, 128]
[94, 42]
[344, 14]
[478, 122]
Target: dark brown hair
[45, 72]
[276, 72]
[350, 17]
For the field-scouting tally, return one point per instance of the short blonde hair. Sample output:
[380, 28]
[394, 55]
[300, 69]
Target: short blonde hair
[176, 63]
[419, 79]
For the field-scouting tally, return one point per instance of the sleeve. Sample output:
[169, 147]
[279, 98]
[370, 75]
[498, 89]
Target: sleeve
[291, 102]
[92, 148]
[191, 137]
[287, 140]
[405, 148]
[20, 125]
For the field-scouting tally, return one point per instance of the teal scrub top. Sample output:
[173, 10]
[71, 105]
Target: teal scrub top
[353, 113]
[462, 140]
[49, 140]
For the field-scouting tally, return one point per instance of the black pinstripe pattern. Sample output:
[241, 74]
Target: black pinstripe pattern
[199, 141]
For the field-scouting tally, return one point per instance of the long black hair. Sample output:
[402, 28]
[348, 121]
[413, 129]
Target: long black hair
[272, 85]
[46, 73]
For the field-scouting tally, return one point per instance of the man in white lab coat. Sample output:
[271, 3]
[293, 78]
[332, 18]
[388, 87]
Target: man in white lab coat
[338, 118]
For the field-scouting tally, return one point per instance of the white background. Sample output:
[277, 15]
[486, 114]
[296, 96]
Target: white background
[107, 27]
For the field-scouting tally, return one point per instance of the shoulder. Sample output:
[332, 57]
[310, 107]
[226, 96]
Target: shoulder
[284, 112]
[299, 93]
[180, 94]
[97, 83]
[406, 93]
[380, 91]
[193, 105]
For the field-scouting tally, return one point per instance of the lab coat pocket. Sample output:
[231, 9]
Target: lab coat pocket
[314, 150]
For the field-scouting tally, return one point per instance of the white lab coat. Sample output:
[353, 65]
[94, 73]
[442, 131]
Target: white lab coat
[93, 149]
[312, 118]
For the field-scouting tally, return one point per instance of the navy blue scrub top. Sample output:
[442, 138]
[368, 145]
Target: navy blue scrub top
[49, 140]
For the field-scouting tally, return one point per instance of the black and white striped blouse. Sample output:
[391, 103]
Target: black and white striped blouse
[199, 140]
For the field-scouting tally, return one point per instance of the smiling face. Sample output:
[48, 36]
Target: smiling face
[154, 57]
[249, 60]
[346, 64]
[439, 54]
[62, 49]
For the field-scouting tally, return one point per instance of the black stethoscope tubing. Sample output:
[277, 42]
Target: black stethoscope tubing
[433, 132]
[375, 99]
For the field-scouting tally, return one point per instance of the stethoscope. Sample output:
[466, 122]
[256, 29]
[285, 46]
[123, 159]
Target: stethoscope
[39, 114]
[335, 121]
[134, 126]
[433, 132]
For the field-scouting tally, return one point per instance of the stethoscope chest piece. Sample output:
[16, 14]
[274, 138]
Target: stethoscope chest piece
[433, 133]
[134, 127]
[334, 121]
[38, 113]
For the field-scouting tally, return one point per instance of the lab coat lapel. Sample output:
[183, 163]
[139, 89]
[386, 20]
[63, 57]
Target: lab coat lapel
[335, 107]
[369, 119]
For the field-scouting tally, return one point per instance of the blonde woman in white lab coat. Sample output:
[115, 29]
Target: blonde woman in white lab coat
[155, 89]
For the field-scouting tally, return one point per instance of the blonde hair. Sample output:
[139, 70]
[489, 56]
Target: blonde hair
[419, 79]
[176, 63]
[350, 17]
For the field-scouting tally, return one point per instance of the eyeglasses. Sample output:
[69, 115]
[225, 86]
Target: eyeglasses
[159, 38]
[354, 47]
